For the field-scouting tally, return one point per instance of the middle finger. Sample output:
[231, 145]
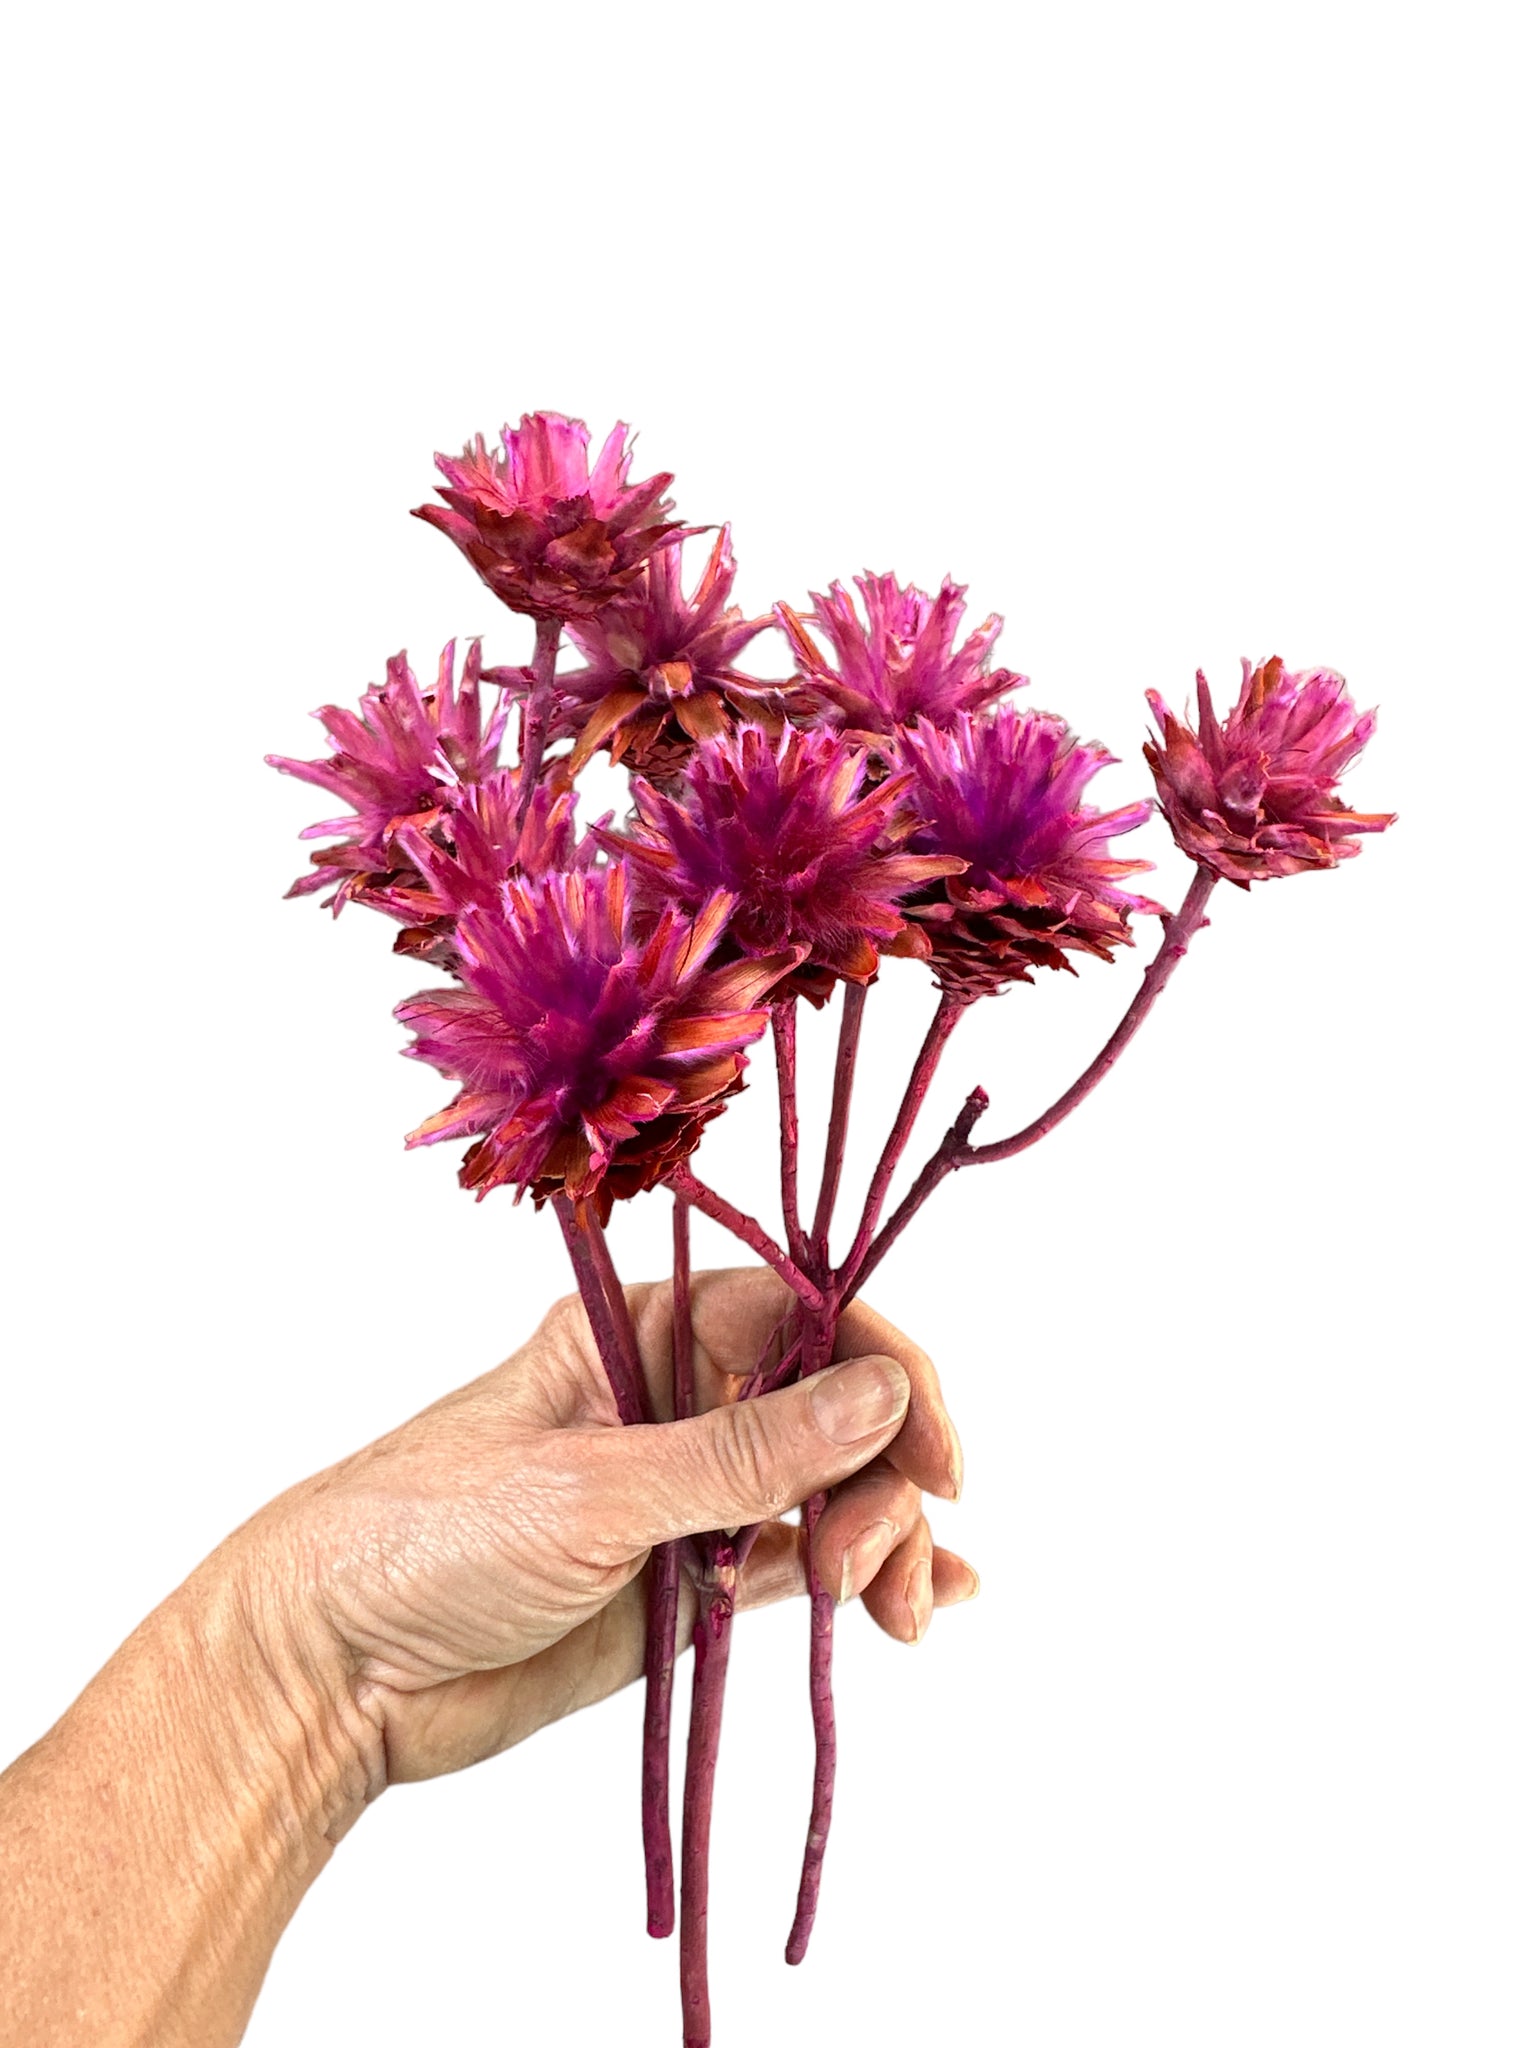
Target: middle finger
[864, 1520]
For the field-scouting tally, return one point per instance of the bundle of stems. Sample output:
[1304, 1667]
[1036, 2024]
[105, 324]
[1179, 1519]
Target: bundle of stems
[801, 1345]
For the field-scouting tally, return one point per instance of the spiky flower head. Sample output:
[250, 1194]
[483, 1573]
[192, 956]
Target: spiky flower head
[399, 756]
[551, 537]
[660, 675]
[811, 863]
[589, 1055]
[461, 858]
[1038, 882]
[1251, 796]
[897, 664]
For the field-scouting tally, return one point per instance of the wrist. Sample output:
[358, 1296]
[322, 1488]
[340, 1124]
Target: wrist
[275, 1691]
[155, 1842]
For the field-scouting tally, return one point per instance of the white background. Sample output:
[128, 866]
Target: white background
[1179, 333]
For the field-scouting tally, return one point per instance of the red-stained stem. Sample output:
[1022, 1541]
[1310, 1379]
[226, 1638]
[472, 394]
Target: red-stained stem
[945, 1018]
[589, 1257]
[815, 1339]
[541, 691]
[767, 1364]
[711, 1650]
[623, 1321]
[824, 1723]
[1177, 933]
[682, 1312]
[656, 1740]
[789, 1126]
[613, 1331]
[837, 1122]
[661, 1627]
[748, 1229]
[955, 1149]
[767, 1379]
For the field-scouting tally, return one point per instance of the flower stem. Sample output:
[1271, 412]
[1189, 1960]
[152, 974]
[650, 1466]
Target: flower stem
[711, 1651]
[612, 1330]
[824, 1722]
[837, 1123]
[1177, 933]
[656, 1740]
[767, 1379]
[661, 1628]
[623, 1321]
[789, 1126]
[815, 1340]
[682, 1312]
[748, 1229]
[541, 690]
[769, 1366]
[945, 1018]
[955, 1149]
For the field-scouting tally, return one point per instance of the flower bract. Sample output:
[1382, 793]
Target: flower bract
[551, 536]
[810, 854]
[590, 1053]
[397, 757]
[1038, 880]
[660, 672]
[899, 662]
[461, 857]
[1252, 796]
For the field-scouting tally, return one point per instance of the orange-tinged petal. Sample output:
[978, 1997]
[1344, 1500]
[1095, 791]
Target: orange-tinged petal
[745, 982]
[609, 715]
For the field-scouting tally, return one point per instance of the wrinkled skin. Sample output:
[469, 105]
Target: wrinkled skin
[421, 1605]
[481, 1569]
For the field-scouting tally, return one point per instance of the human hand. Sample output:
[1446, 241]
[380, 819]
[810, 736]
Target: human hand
[478, 1572]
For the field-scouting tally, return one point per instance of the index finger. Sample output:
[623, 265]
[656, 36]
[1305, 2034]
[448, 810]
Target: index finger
[927, 1448]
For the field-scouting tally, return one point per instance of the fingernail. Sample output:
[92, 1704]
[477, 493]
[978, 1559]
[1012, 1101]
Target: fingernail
[864, 1557]
[920, 1598]
[956, 1466]
[852, 1401]
[975, 1586]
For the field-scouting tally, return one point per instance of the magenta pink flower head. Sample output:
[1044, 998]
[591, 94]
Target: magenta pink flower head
[589, 1057]
[461, 859]
[898, 664]
[550, 537]
[1038, 882]
[1252, 796]
[399, 755]
[660, 675]
[812, 865]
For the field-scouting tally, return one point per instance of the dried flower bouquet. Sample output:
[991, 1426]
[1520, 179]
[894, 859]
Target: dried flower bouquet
[603, 985]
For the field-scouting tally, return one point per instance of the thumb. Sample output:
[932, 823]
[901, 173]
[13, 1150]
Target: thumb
[750, 1461]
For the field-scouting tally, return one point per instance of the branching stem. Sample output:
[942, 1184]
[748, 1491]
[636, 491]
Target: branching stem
[748, 1229]
[945, 1018]
[955, 1149]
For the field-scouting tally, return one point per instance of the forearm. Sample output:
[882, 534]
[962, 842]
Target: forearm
[155, 1842]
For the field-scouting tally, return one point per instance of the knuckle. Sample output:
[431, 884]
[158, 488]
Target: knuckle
[564, 1315]
[564, 1311]
[752, 1462]
[565, 1333]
